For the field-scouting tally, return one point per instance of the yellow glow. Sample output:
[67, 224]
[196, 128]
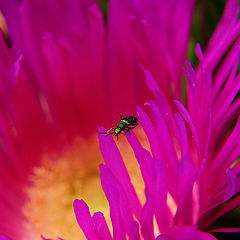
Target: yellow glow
[171, 204]
[67, 175]
[3, 24]
[61, 178]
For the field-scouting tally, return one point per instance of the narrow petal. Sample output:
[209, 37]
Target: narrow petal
[144, 159]
[226, 230]
[165, 142]
[84, 219]
[116, 195]
[188, 119]
[101, 226]
[114, 161]
[233, 185]
[186, 177]
[162, 213]
[115, 213]
[188, 233]
[228, 18]
[149, 129]
[208, 217]
[134, 231]
[146, 219]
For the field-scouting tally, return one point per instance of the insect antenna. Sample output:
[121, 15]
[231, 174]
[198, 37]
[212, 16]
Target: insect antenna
[109, 134]
[119, 115]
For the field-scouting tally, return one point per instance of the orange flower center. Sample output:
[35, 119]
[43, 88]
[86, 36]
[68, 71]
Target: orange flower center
[63, 177]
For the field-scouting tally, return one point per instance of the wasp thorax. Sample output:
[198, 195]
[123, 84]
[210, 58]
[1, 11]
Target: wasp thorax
[117, 131]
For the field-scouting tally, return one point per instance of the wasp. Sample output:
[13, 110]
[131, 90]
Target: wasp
[125, 125]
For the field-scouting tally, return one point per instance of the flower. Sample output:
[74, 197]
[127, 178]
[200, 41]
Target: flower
[55, 90]
[191, 173]
[63, 72]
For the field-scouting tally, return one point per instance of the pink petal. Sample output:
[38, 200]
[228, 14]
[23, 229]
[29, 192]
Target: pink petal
[144, 159]
[186, 177]
[162, 213]
[115, 213]
[208, 217]
[233, 185]
[116, 195]
[4, 238]
[188, 233]
[114, 161]
[182, 134]
[188, 119]
[165, 142]
[226, 230]
[134, 231]
[84, 219]
[150, 131]
[229, 18]
[146, 219]
[101, 226]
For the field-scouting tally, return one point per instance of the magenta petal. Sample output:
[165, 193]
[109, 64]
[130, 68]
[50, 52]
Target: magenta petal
[151, 82]
[116, 195]
[146, 219]
[162, 213]
[101, 226]
[188, 119]
[228, 18]
[134, 231]
[43, 238]
[115, 212]
[144, 159]
[149, 130]
[220, 162]
[182, 134]
[162, 237]
[165, 141]
[114, 161]
[226, 230]
[186, 177]
[233, 185]
[167, 112]
[199, 52]
[84, 219]
[4, 238]
[211, 215]
[188, 233]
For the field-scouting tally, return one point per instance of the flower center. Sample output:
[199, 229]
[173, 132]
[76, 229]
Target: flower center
[67, 175]
[60, 179]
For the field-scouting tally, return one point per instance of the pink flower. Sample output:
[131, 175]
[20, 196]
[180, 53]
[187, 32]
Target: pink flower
[191, 174]
[65, 71]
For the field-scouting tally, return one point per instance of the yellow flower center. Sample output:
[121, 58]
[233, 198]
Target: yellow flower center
[67, 175]
[61, 178]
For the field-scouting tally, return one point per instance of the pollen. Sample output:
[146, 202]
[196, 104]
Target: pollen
[61, 178]
[67, 175]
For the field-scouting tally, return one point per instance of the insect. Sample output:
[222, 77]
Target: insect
[125, 125]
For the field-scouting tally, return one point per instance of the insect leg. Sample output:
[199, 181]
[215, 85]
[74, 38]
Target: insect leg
[110, 130]
[127, 130]
[132, 127]
[108, 134]
[119, 115]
